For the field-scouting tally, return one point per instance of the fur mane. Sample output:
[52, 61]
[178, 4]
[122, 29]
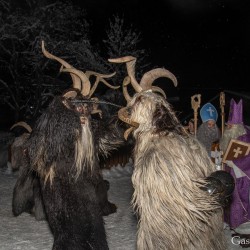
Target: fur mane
[57, 136]
[154, 113]
[169, 171]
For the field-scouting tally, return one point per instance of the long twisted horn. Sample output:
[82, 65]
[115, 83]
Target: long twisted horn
[85, 89]
[149, 77]
[158, 89]
[76, 80]
[123, 115]
[126, 82]
[100, 78]
[130, 63]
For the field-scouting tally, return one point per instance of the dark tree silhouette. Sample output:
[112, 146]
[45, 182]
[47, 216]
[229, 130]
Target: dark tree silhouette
[123, 40]
[23, 76]
[28, 81]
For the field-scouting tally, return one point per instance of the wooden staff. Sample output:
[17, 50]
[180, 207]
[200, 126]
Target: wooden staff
[195, 103]
[222, 104]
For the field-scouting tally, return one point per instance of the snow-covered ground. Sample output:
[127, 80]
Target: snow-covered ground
[25, 233]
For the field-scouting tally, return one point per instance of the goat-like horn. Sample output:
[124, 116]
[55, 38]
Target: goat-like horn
[157, 89]
[149, 77]
[85, 81]
[100, 78]
[123, 115]
[70, 94]
[22, 124]
[125, 83]
[89, 73]
[130, 63]
[76, 80]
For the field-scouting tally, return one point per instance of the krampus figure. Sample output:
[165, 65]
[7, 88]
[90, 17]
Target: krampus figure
[27, 192]
[170, 168]
[63, 149]
[16, 148]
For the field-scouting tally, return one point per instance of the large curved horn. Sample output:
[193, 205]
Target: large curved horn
[125, 83]
[149, 77]
[85, 81]
[130, 63]
[22, 124]
[158, 89]
[123, 116]
[88, 73]
[100, 78]
[76, 80]
[70, 94]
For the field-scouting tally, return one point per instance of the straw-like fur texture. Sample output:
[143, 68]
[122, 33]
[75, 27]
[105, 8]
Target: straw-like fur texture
[169, 171]
[63, 149]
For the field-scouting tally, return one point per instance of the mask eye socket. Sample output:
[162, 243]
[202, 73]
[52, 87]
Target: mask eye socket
[82, 108]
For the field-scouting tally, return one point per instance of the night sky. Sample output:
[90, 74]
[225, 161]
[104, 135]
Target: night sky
[205, 43]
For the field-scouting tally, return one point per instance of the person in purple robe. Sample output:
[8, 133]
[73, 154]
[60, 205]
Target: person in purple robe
[239, 210]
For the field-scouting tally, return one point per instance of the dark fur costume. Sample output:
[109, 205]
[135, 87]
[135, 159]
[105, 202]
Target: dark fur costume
[27, 192]
[75, 195]
[26, 195]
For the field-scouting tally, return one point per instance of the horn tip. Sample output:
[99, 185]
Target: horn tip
[122, 59]
[112, 60]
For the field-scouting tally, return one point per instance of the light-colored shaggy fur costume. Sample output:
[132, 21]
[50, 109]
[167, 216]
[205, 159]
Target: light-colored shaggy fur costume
[169, 170]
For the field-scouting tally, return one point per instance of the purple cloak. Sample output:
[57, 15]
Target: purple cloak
[240, 208]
